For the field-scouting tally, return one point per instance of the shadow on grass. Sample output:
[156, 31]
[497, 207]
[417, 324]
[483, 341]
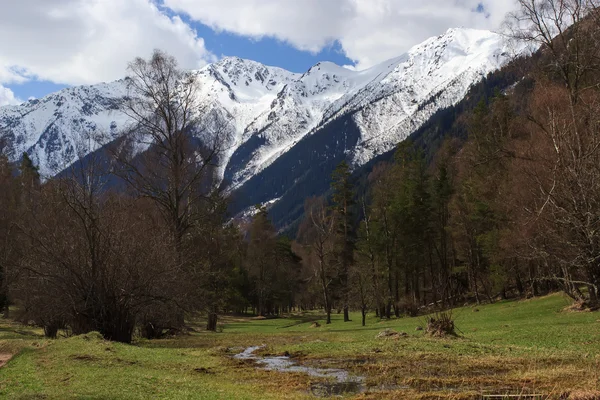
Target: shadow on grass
[302, 319]
[15, 333]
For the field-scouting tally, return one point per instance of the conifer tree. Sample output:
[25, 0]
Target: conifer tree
[29, 177]
[442, 193]
[345, 236]
[261, 257]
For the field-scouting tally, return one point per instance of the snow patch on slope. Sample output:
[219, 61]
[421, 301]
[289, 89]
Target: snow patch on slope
[265, 111]
[64, 126]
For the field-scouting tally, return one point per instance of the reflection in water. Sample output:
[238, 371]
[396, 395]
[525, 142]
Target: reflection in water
[343, 381]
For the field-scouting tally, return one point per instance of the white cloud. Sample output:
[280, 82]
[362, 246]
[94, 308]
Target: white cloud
[87, 41]
[369, 31]
[7, 97]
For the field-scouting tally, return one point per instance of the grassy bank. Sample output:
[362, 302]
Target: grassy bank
[514, 346]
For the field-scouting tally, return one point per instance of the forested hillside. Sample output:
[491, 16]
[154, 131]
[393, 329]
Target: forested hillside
[494, 197]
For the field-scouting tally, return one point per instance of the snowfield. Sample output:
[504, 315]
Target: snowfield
[267, 110]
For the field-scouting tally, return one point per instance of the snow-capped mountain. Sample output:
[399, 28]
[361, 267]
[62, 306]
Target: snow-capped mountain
[388, 101]
[63, 126]
[269, 111]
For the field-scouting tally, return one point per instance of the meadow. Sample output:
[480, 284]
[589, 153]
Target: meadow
[511, 347]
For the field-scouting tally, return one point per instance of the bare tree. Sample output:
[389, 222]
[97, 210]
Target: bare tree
[366, 273]
[562, 155]
[171, 151]
[568, 32]
[9, 251]
[92, 259]
[173, 146]
[317, 233]
[564, 176]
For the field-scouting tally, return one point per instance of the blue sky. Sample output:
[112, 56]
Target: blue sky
[55, 43]
[34, 88]
[269, 51]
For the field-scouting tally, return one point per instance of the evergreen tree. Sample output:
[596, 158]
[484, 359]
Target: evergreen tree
[442, 193]
[385, 232]
[262, 258]
[287, 275]
[414, 215]
[29, 177]
[345, 235]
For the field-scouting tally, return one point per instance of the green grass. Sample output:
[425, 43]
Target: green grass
[530, 345]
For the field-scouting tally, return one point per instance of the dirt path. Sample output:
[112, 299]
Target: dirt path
[4, 358]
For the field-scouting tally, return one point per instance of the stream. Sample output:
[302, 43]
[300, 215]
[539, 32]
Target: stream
[341, 382]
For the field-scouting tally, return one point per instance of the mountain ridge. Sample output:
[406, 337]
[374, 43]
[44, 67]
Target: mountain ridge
[268, 111]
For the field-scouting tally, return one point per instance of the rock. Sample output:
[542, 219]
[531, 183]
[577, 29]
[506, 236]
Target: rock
[315, 325]
[390, 333]
[4, 358]
[387, 332]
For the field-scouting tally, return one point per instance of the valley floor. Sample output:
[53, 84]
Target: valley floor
[530, 346]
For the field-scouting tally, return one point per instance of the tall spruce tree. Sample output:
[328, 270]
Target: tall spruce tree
[442, 193]
[413, 210]
[345, 235]
[29, 176]
[262, 258]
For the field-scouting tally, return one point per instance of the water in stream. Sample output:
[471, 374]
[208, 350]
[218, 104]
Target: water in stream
[341, 381]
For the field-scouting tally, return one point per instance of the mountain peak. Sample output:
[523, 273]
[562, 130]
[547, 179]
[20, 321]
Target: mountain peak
[269, 110]
[234, 60]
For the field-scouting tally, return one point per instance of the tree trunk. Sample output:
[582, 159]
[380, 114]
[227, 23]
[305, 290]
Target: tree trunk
[118, 330]
[593, 295]
[519, 283]
[51, 331]
[397, 293]
[261, 304]
[211, 324]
